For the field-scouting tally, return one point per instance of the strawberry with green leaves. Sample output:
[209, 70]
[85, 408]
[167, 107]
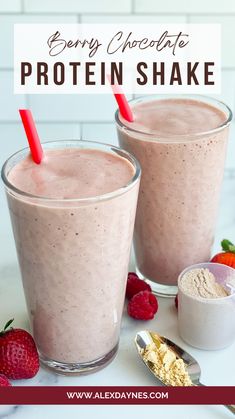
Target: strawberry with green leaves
[227, 257]
[18, 353]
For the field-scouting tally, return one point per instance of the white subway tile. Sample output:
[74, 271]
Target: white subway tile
[184, 6]
[143, 19]
[54, 107]
[227, 88]
[10, 6]
[58, 131]
[105, 133]
[13, 138]
[78, 6]
[82, 108]
[7, 32]
[9, 103]
[227, 32]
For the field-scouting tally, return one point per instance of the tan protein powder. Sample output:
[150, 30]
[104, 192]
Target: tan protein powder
[165, 365]
[202, 283]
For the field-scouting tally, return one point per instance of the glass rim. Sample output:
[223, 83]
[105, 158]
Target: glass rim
[203, 299]
[104, 197]
[180, 137]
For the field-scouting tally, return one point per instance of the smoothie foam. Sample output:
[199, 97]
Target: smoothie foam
[175, 117]
[72, 173]
[182, 172]
[74, 255]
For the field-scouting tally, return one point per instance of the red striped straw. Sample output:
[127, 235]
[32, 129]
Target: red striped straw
[32, 135]
[124, 107]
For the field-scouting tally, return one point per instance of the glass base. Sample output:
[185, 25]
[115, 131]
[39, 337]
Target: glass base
[159, 289]
[78, 368]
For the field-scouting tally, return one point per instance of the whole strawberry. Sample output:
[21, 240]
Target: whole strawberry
[227, 257]
[18, 353]
[4, 382]
[143, 306]
[135, 285]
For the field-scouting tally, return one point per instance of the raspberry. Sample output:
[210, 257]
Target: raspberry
[176, 301]
[135, 285]
[4, 382]
[142, 306]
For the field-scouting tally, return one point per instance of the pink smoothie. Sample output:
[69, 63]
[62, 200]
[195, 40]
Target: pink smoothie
[182, 169]
[74, 254]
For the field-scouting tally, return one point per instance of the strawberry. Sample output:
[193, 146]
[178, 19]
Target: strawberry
[4, 382]
[228, 256]
[18, 353]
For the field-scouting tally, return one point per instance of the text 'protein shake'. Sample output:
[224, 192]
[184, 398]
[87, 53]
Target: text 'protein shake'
[73, 218]
[181, 146]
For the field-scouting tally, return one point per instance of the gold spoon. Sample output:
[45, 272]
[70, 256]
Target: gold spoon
[145, 338]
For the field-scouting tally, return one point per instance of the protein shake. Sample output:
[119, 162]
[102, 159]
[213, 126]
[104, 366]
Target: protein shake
[73, 218]
[181, 146]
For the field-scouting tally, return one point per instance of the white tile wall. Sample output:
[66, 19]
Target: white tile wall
[13, 137]
[184, 6]
[227, 31]
[90, 116]
[140, 18]
[105, 133]
[7, 31]
[80, 108]
[10, 6]
[9, 103]
[228, 88]
[59, 131]
[78, 6]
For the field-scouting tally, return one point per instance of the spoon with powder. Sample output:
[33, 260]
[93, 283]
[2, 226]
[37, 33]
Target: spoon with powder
[168, 362]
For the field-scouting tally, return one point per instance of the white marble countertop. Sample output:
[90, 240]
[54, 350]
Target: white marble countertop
[218, 367]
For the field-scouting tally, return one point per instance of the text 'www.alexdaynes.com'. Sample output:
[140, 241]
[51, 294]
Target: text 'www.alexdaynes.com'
[116, 395]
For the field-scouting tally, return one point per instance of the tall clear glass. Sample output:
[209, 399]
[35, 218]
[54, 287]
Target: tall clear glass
[179, 195]
[73, 255]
